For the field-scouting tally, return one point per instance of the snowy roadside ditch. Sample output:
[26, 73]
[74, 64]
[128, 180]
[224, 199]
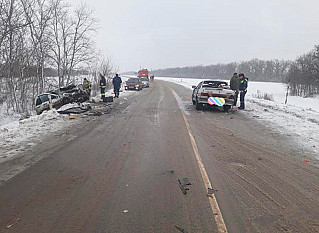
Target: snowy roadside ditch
[18, 136]
[298, 120]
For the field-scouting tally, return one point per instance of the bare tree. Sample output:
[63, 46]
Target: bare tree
[38, 15]
[72, 45]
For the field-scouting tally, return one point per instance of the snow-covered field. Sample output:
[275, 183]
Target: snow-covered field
[298, 119]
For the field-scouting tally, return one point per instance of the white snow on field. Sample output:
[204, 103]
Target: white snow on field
[298, 119]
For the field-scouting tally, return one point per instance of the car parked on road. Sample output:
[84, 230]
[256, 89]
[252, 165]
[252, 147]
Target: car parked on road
[213, 93]
[133, 84]
[145, 82]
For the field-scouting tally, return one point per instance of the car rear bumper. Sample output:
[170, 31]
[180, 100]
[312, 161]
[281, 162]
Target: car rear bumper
[131, 88]
[203, 101]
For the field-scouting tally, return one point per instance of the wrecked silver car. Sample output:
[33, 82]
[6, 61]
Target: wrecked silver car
[61, 96]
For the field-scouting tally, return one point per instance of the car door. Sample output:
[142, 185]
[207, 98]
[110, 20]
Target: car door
[195, 91]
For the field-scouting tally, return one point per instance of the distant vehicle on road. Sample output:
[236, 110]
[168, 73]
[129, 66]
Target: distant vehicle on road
[133, 84]
[145, 82]
[143, 73]
[213, 93]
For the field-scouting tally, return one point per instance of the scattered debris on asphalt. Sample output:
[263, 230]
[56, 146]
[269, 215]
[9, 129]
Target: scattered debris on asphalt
[12, 223]
[181, 229]
[183, 185]
[210, 192]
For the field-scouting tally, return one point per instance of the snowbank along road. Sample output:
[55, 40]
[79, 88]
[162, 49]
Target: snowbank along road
[155, 164]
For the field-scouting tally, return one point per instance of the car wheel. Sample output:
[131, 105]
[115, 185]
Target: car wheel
[226, 108]
[198, 105]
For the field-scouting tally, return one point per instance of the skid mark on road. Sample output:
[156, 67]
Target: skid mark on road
[157, 121]
[180, 103]
[221, 226]
[129, 107]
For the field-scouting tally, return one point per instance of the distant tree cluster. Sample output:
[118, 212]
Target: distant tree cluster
[304, 74]
[41, 38]
[256, 70]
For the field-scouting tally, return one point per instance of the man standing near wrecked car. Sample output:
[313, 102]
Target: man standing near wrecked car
[234, 85]
[117, 85]
[102, 85]
[243, 90]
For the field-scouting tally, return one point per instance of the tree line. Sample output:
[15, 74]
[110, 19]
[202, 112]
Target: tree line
[302, 73]
[44, 38]
[257, 70]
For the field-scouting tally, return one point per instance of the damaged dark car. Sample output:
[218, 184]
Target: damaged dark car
[61, 96]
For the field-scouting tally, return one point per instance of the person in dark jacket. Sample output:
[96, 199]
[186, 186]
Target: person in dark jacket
[102, 85]
[243, 90]
[234, 85]
[117, 85]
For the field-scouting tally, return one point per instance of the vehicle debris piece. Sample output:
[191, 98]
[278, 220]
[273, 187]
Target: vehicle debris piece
[183, 185]
[210, 192]
[108, 99]
[75, 110]
[181, 229]
[71, 117]
[12, 223]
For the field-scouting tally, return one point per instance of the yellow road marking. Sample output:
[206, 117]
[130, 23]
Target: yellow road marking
[212, 199]
[221, 226]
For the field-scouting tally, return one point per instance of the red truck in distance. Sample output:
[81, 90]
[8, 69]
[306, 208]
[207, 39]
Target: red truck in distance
[143, 73]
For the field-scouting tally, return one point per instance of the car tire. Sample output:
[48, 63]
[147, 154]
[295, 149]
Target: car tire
[198, 105]
[226, 108]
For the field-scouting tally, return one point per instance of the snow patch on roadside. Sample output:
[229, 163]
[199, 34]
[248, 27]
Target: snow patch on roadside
[18, 136]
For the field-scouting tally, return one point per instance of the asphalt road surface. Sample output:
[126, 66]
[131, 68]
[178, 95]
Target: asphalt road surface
[147, 167]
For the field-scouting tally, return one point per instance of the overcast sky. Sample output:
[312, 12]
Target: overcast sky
[175, 33]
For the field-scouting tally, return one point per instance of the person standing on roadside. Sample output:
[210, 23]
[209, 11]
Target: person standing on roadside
[87, 86]
[102, 86]
[234, 85]
[117, 85]
[243, 90]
